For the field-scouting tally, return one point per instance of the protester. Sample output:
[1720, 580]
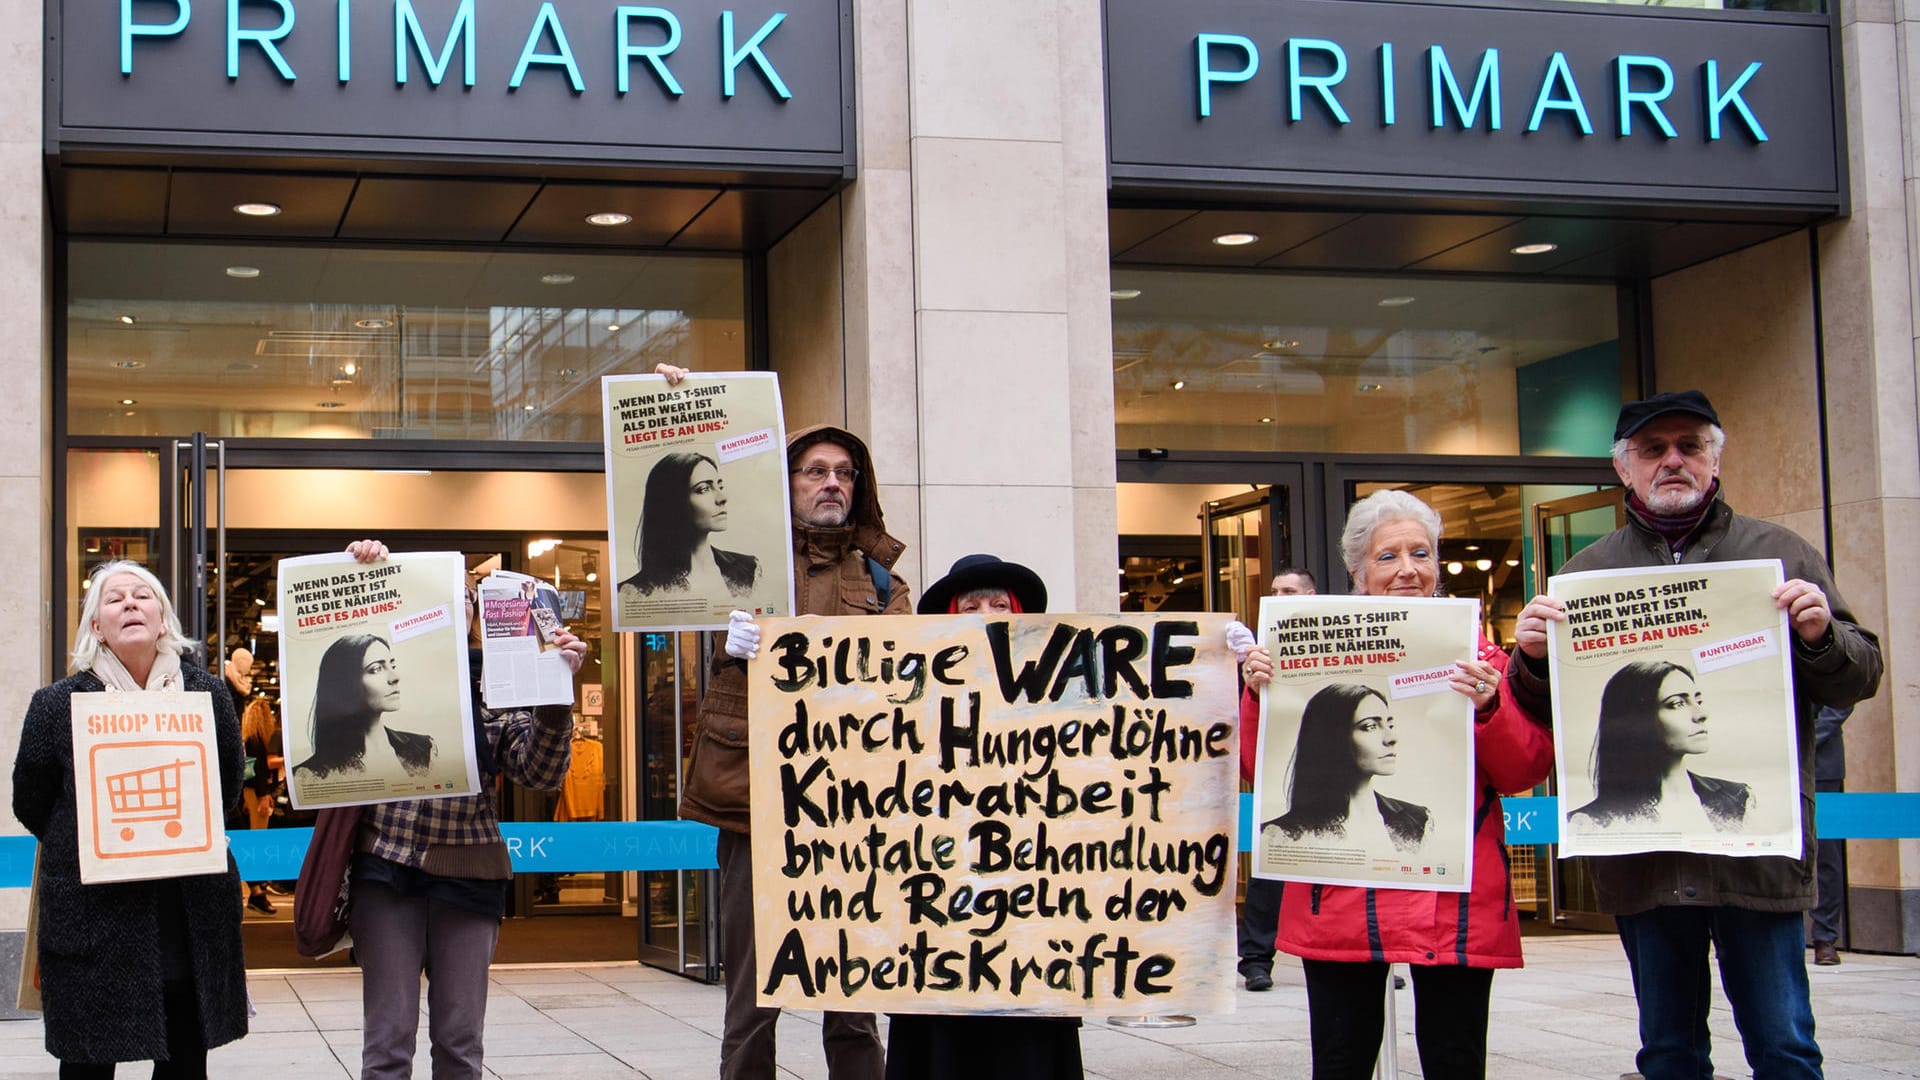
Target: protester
[429, 885]
[842, 566]
[1669, 905]
[954, 1047]
[1348, 936]
[136, 970]
[1260, 915]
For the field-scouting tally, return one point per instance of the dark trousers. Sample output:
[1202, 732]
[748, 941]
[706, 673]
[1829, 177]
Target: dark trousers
[1830, 881]
[396, 938]
[851, 1040]
[1259, 925]
[1763, 969]
[1347, 1014]
[186, 1042]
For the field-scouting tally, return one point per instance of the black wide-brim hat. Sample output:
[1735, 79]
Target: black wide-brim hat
[1635, 415]
[972, 572]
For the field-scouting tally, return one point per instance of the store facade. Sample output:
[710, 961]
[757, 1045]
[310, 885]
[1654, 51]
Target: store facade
[1123, 286]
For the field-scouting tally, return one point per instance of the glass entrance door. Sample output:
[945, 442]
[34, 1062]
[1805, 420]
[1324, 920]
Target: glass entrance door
[1561, 527]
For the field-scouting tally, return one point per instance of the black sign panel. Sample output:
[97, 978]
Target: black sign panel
[696, 82]
[1473, 101]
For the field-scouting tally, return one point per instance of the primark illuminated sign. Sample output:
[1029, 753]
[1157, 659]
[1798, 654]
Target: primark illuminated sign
[1476, 100]
[693, 81]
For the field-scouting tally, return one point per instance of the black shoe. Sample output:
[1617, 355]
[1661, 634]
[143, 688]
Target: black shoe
[259, 902]
[1258, 981]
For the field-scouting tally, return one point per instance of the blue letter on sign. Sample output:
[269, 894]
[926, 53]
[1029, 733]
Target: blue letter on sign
[625, 51]
[1486, 83]
[1717, 101]
[1321, 84]
[731, 58]
[130, 30]
[1203, 49]
[406, 28]
[263, 38]
[547, 20]
[1649, 99]
[1559, 76]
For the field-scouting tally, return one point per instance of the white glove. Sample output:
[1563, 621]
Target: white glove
[743, 637]
[1240, 640]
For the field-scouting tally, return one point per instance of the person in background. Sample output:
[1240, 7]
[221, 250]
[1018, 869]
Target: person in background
[1830, 886]
[1348, 936]
[133, 970]
[429, 887]
[1670, 906]
[257, 730]
[1260, 915]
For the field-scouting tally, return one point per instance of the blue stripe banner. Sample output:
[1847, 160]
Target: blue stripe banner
[600, 846]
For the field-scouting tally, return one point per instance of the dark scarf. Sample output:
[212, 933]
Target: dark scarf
[1673, 528]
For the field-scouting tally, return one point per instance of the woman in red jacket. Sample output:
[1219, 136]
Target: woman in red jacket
[1347, 936]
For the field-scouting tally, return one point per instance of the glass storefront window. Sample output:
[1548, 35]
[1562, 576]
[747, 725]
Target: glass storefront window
[1817, 7]
[1207, 360]
[292, 341]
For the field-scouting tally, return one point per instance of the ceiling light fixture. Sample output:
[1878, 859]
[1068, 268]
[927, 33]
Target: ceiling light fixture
[1124, 294]
[1370, 387]
[613, 328]
[373, 324]
[128, 401]
[569, 372]
[1473, 547]
[1177, 579]
[1483, 565]
[1266, 419]
[128, 319]
[557, 278]
[257, 209]
[1533, 249]
[129, 365]
[349, 368]
[244, 273]
[330, 404]
[1281, 343]
[526, 408]
[1396, 301]
[1236, 239]
[607, 219]
[1455, 567]
[1179, 384]
[1513, 562]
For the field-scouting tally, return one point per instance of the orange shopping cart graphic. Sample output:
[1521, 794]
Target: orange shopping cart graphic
[150, 798]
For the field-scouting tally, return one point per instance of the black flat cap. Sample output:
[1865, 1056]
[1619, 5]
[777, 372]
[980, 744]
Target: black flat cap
[1634, 415]
[985, 572]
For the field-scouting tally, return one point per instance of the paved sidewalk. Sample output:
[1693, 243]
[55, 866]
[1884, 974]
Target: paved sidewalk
[1568, 1014]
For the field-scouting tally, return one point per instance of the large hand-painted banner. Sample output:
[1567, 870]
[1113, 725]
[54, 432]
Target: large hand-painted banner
[1365, 772]
[146, 783]
[1027, 813]
[375, 699]
[1673, 707]
[696, 499]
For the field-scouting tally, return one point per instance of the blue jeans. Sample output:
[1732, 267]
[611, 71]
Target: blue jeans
[1763, 969]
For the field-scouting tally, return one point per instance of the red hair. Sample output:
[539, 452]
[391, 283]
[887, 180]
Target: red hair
[1013, 604]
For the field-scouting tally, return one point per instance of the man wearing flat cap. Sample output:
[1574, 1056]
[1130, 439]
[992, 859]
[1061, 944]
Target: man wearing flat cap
[1670, 905]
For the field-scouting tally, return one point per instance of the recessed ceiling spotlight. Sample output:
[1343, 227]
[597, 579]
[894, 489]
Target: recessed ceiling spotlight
[1396, 301]
[557, 278]
[1369, 387]
[1179, 384]
[128, 319]
[330, 404]
[349, 368]
[608, 218]
[1236, 239]
[129, 365]
[373, 324]
[128, 401]
[1513, 562]
[257, 209]
[1534, 249]
[244, 273]
[613, 328]
[1124, 294]
[526, 408]
[1455, 567]
[129, 412]
[1281, 343]
[1483, 565]
[1473, 547]
[1266, 419]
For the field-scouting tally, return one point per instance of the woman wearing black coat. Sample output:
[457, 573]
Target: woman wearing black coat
[139, 970]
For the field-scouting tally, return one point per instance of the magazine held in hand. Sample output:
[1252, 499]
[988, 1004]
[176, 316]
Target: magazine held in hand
[520, 655]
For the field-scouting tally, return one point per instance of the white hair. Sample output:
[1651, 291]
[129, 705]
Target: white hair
[1380, 508]
[86, 644]
[1716, 442]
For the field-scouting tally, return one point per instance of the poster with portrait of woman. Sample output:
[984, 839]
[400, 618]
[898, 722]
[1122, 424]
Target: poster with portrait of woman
[1673, 700]
[373, 679]
[696, 499]
[1365, 768]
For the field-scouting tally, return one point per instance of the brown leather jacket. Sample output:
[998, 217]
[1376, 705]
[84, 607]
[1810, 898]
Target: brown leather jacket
[831, 577]
[1842, 670]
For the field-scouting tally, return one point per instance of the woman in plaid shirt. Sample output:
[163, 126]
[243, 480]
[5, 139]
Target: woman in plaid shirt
[430, 883]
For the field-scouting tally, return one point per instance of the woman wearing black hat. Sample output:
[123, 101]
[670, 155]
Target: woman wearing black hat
[971, 1047]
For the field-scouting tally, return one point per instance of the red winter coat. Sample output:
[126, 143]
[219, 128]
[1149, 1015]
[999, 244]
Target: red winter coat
[1512, 752]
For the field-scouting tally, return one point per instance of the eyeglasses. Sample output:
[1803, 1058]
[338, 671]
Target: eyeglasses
[817, 474]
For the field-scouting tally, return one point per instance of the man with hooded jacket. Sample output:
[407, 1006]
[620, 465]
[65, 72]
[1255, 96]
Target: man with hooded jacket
[842, 563]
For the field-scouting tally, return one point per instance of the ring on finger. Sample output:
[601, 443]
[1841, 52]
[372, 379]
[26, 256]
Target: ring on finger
[1480, 686]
